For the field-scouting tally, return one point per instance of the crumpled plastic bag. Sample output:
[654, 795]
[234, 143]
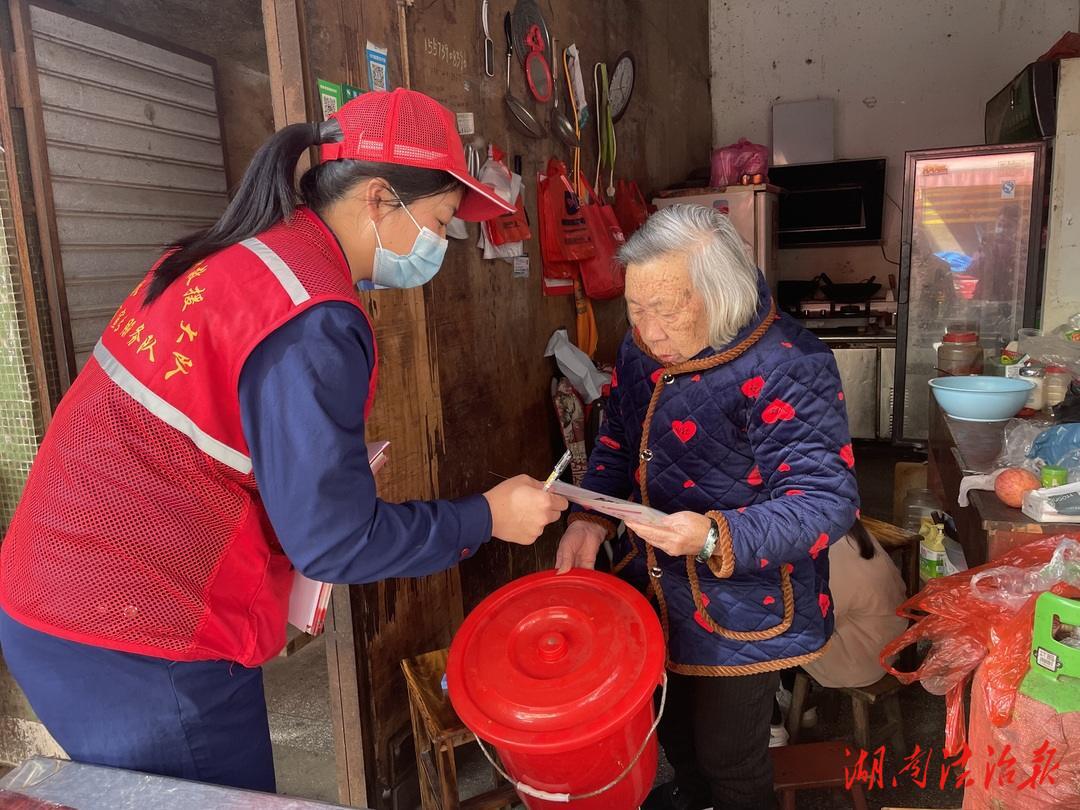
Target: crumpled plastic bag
[1058, 446]
[983, 616]
[580, 370]
[1019, 437]
[980, 482]
[730, 163]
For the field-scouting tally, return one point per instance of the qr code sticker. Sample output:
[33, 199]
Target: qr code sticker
[329, 105]
[378, 76]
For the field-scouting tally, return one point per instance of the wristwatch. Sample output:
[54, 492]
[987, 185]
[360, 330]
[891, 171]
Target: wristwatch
[711, 540]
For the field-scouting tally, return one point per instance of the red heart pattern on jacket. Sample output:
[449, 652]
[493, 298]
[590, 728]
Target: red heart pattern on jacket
[820, 545]
[696, 378]
[752, 387]
[600, 468]
[754, 477]
[768, 600]
[794, 492]
[684, 430]
[614, 378]
[764, 562]
[607, 441]
[848, 455]
[777, 411]
[655, 376]
[785, 467]
[688, 484]
[840, 396]
[824, 602]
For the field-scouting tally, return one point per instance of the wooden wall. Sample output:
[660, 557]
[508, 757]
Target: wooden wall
[464, 393]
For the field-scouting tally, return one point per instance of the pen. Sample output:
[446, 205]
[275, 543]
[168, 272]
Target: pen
[559, 467]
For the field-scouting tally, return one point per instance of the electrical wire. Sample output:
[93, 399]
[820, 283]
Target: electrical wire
[881, 245]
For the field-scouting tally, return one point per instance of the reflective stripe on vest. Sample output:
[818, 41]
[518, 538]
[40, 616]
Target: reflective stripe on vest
[169, 414]
[282, 272]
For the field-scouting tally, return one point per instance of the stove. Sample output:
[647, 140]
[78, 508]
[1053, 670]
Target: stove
[868, 316]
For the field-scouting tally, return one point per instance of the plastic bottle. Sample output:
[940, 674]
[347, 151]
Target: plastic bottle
[1057, 382]
[918, 504]
[960, 354]
[1037, 398]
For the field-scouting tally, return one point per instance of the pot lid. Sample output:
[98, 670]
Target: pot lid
[555, 661]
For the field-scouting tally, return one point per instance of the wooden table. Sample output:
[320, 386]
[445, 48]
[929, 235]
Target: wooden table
[987, 528]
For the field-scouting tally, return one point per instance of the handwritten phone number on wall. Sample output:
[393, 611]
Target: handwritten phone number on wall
[443, 52]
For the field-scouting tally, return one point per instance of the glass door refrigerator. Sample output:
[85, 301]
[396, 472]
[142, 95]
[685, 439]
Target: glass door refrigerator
[970, 260]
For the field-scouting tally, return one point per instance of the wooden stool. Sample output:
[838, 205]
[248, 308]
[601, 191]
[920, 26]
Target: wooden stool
[437, 731]
[885, 691]
[893, 539]
[812, 766]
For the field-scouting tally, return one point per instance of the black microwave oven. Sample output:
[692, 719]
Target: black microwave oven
[1026, 108]
[834, 203]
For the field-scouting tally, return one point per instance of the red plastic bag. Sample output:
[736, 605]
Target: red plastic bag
[730, 163]
[564, 234]
[630, 207]
[507, 228]
[1032, 763]
[983, 616]
[603, 275]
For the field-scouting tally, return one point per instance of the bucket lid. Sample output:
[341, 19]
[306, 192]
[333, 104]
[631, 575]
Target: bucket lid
[555, 662]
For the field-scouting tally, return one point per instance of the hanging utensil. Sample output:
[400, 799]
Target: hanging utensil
[527, 14]
[525, 120]
[575, 175]
[537, 70]
[560, 124]
[489, 43]
[605, 129]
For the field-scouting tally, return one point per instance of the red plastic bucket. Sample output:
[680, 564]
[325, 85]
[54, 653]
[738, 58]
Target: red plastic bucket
[557, 674]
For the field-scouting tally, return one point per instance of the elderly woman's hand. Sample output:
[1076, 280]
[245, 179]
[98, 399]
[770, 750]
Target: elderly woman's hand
[679, 535]
[579, 546]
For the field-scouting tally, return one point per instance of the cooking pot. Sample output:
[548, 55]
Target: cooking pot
[858, 293]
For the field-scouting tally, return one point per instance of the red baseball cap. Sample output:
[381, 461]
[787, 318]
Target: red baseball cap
[411, 129]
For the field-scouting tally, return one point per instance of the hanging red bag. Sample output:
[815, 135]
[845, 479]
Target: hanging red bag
[510, 227]
[603, 275]
[564, 234]
[630, 206]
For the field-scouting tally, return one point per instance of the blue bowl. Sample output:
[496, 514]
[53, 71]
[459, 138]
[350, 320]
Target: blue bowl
[981, 398]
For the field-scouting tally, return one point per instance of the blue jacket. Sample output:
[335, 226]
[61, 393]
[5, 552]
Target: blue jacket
[763, 441]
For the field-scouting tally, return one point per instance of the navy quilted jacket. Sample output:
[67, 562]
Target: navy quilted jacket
[762, 439]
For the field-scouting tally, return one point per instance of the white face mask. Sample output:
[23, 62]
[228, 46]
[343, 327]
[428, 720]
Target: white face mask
[415, 268]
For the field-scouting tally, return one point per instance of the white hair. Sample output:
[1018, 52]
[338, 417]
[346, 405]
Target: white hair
[720, 268]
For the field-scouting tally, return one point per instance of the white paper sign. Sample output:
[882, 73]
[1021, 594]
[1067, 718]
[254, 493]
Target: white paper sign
[605, 504]
[466, 123]
[521, 267]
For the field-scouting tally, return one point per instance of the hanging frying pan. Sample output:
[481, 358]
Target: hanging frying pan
[537, 69]
[525, 120]
[527, 14]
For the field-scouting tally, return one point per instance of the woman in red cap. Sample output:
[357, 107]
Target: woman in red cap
[215, 441]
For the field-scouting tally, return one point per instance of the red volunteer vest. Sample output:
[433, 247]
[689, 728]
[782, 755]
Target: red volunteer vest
[141, 528]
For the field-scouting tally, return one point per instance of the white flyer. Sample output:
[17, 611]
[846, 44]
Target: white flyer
[605, 504]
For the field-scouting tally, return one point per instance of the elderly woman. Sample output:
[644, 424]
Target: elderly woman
[729, 417]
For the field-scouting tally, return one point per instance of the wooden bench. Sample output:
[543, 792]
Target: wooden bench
[813, 766]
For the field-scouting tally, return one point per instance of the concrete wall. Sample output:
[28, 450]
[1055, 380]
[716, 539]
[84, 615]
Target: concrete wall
[1061, 292]
[904, 75]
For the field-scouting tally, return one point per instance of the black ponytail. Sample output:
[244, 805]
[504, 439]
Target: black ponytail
[862, 539]
[267, 194]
